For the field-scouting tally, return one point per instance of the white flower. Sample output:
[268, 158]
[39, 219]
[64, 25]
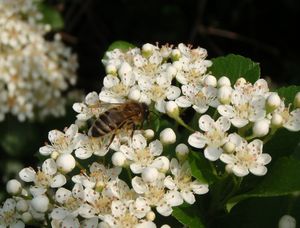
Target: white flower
[9, 217]
[98, 177]
[156, 194]
[139, 154]
[13, 187]
[91, 107]
[200, 98]
[61, 142]
[213, 138]
[246, 157]
[244, 108]
[167, 136]
[47, 177]
[287, 221]
[261, 128]
[182, 182]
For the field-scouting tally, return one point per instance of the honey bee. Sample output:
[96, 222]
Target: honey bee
[119, 116]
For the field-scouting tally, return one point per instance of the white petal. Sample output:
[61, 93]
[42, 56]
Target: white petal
[199, 188]
[239, 122]
[201, 108]
[58, 181]
[264, 159]
[37, 191]
[183, 102]
[90, 223]
[169, 183]
[255, 147]
[77, 191]
[240, 170]
[62, 195]
[17, 224]
[173, 198]
[49, 167]
[82, 153]
[139, 142]
[136, 168]
[59, 213]
[70, 222]
[223, 123]
[110, 81]
[226, 158]
[156, 147]
[188, 196]
[164, 209]
[55, 135]
[226, 110]
[212, 153]
[27, 174]
[79, 107]
[118, 208]
[235, 139]
[127, 151]
[9, 205]
[138, 185]
[87, 211]
[174, 167]
[72, 131]
[46, 150]
[258, 170]
[160, 106]
[147, 224]
[197, 140]
[173, 92]
[206, 123]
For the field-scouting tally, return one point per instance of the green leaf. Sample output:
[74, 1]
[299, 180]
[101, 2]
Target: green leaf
[120, 44]
[51, 16]
[234, 67]
[201, 168]
[288, 93]
[188, 216]
[281, 179]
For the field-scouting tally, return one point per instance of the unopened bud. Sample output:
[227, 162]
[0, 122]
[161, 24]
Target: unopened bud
[13, 187]
[147, 49]
[182, 151]
[176, 54]
[277, 120]
[261, 128]
[167, 136]
[148, 134]
[65, 163]
[26, 217]
[150, 216]
[287, 221]
[118, 159]
[224, 81]
[172, 109]
[229, 147]
[22, 205]
[134, 94]
[297, 100]
[165, 226]
[40, 203]
[224, 94]
[54, 155]
[210, 80]
[111, 69]
[273, 101]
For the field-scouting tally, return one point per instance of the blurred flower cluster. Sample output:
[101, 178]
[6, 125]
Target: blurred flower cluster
[128, 177]
[34, 72]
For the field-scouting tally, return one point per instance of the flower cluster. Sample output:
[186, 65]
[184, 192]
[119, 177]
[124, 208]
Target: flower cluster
[127, 178]
[34, 71]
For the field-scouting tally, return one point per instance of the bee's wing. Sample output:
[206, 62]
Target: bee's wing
[106, 106]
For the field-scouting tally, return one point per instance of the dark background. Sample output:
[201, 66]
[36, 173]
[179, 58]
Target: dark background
[265, 31]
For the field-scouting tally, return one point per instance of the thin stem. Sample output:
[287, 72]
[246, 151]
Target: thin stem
[182, 123]
[266, 139]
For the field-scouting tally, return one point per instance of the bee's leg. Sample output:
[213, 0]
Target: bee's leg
[133, 128]
[111, 140]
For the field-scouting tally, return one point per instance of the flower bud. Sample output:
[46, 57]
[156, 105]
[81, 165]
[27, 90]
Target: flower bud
[26, 217]
[13, 187]
[134, 94]
[210, 80]
[297, 100]
[261, 128]
[149, 174]
[22, 205]
[240, 82]
[182, 151]
[40, 203]
[273, 101]
[229, 147]
[224, 81]
[277, 120]
[176, 54]
[65, 163]
[167, 136]
[224, 94]
[111, 69]
[162, 164]
[172, 109]
[165, 226]
[54, 155]
[148, 134]
[171, 70]
[118, 159]
[147, 49]
[150, 216]
[287, 221]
